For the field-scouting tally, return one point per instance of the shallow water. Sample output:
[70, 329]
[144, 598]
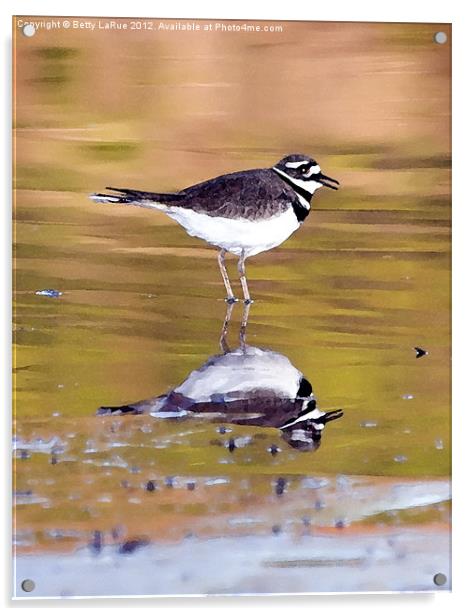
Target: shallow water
[346, 300]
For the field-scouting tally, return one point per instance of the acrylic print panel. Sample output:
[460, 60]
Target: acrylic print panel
[167, 441]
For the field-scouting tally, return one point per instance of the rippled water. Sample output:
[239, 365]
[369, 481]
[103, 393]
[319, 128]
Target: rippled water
[131, 305]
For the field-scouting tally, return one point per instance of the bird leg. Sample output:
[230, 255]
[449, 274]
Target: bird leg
[243, 325]
[222, 340]
[230, 299]
[243, 279]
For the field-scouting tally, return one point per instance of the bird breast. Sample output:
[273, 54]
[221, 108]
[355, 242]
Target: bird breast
[236, 234]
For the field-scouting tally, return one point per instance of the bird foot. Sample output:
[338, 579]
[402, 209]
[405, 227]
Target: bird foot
[231, 300]
[248, 301]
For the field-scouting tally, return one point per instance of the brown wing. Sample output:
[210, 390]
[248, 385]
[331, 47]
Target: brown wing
[252, 195]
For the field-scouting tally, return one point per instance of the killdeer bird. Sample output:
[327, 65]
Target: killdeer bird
[243, 213]
[250, 387]
[247, 386]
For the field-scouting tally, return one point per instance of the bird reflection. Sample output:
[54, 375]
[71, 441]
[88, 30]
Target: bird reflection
[245, 386]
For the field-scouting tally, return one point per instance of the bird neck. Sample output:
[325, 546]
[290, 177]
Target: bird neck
[298, 186]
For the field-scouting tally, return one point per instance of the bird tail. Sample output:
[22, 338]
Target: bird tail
[143, 407]
[141, 198]
[126, 409]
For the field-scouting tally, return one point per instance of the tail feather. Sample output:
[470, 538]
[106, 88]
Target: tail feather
[142, 198]
[126, 409]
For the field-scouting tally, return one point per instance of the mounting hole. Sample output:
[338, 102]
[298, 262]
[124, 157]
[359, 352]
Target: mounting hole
[29, 30]
[28, 585]
[439, 579]
[440, 38]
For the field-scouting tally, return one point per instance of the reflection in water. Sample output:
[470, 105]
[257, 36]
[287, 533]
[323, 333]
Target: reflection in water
[245, 386]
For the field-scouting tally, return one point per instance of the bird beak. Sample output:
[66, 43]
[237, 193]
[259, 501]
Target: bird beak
[331, 415]
[326, 181]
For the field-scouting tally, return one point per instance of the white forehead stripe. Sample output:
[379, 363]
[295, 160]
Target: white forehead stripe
[309, 185]
[297, 164]
[313, 170]
[315, 414]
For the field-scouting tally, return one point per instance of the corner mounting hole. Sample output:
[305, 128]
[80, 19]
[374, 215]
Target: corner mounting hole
[29, 30]
[440, 38]
[28, 585]
[439, 579]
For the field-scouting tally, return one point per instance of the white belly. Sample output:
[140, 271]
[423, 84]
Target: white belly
[235, 375]
[238, 235]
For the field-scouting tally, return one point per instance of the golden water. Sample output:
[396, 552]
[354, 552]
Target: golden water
[364, 281]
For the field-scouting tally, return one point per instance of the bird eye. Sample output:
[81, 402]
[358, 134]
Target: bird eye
[305, 169]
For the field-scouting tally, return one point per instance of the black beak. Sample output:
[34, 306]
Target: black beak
[324, 180]
[331, 415]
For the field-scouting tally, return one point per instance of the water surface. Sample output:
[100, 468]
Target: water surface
[345, 300]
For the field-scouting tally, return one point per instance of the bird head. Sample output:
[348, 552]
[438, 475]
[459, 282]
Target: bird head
[304, 172]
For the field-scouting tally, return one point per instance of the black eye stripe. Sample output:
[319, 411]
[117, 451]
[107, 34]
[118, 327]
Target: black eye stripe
[305, 388]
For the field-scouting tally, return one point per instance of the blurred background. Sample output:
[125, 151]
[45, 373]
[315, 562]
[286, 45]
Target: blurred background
[140, 305]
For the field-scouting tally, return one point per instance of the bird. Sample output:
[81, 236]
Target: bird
[248, 386]
[243, 213]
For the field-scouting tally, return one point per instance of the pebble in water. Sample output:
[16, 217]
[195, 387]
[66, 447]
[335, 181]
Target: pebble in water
[276, 529]
[368, 424]
[130, 546]
[169, 482]
[191, 485]
[96, 544]
[49, 293]
[231, 445]
[214, 481]
[223, 430]
[400, 459]
[280, 486]
[273, 449]
[407, 397]
[150, 486]
[438, 443]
